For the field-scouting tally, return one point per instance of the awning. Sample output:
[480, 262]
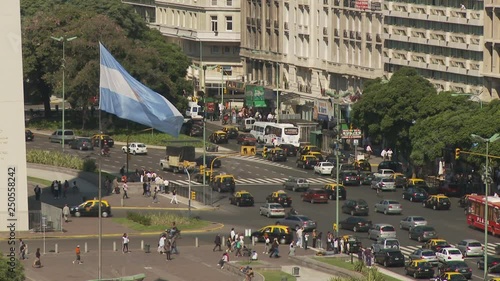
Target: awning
[322, 117]
[259, 103]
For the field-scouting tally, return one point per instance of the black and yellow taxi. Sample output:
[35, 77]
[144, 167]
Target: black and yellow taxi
[242, 198]
[399, 180]
[276, 154]
[363, 165]
[353, 243]
[90, 208]
[218, 137]
[280, 197]
[317, 154]
[419, 269]
[436, 244]
[331, 190]
[307, 161]
[416, 182]
[451, 276]
[102, 140]
[231, 131]
[306, 149]
[223, 183]
[494, 279]
[281, 232]
[437, 202]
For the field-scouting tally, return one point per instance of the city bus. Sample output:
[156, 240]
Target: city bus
[259, 130]
[475, 212]
[276, 133]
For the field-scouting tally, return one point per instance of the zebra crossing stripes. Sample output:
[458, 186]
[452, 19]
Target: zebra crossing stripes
[260, 160]
[407, 250]
[262, 181]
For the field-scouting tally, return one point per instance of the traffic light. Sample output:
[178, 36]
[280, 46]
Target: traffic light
[335, 227]
[457, 153]
[193, 195]
[202, 169]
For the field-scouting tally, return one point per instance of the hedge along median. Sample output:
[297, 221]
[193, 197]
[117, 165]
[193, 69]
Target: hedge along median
[150, 222]
[59, 159]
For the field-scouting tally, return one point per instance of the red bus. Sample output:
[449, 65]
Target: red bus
[475, 212]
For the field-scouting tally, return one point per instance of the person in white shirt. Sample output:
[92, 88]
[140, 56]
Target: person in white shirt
[389, 154]
[369, 151]
[161, 244]
[383, 154]
[166, 183]
[299, 233]
[270, 117]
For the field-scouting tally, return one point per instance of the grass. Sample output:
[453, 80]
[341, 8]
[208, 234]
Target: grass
[39, 181]
[341, 262]
[275, 275]
[191, 224]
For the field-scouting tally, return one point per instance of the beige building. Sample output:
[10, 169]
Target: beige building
[491, 54]
[207, 30]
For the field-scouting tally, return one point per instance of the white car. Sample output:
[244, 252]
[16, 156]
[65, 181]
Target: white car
[272, 210]
[135, 148]
[449, 254]
[323, 168]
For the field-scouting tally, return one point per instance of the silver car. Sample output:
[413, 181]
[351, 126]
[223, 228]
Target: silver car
[296, 184]
[388, 207]
[412, 221]
[384, 184]
[470, 247]
[272, 210]
[297, 221]
[424, 254]
[381, 230]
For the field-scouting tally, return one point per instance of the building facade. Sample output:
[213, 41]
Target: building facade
[491, 54]
[207, 30]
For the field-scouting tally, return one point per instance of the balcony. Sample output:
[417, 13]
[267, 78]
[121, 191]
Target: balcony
[258, 22]
[346, 34]
[358, 35]
[378, 38]
[253, 21]
[369, 37]
[285, 26]
[336, 32]
[249, 21]
[268, 23]
[352, 34]
[276, 24]
[325, 31]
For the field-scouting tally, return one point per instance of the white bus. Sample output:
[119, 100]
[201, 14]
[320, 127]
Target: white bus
[276, 133]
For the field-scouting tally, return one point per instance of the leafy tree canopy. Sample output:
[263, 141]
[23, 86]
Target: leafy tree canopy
[11, 270]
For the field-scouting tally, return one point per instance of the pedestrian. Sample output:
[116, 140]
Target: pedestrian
[275, 249]
[383, 154]
[368, 151]
[329, 241]
[125, 241]
[116, 188]
[122, 171]
[22, 249]
[168, 249]
[65, 212]
[249, 274]
[314, 238]
[65, 188]
[37, 263]
[217, 242]
[78, 257]
[306, 240]
[166, 183]
[173, 246]
[155, 194]
[223, 260]
[144, 188]
[291, 249]
[38, 192]
[299, 233]
[59, 189]
[161, 243]
[229, 247]
[342, 245]
[335, 245]
[389, 154]
[75, 187]
[174, 197]
[267, 241]
[125, 189]
[238, 246]
[319, 240]
[56, 190]
[148, 189]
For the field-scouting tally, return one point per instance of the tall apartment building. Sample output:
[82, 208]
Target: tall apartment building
[311, 50]
[491, 54]
[207, 30]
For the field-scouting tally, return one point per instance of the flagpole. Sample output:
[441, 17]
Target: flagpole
[99, 247]
[202, 88]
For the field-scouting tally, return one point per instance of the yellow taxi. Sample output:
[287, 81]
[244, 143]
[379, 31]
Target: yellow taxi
[363, 165]
[231, 131]
[494, 279]
[218, 137]
[281, 232]
[223, 183]
[353, 244]
[280, 197]
[331, 190]
[436, 244]
[416, 182]
[90, 208]
[399, 180]
[316, 154]
[242, 198]
[452, 276]
[100, 140]
[307, 161]
[276, 154]
[308, 148]
[419, 269]
[437, 202]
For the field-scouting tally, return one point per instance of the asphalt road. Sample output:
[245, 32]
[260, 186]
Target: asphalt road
[262, 177]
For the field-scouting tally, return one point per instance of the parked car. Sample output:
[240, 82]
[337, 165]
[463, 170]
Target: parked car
[415, 194]
[412, 221]
[492, 261]
[296, 221]
[390, 257]
[470, 247]
[323, 168]
[348, 177]
[281, 232]
[82, 144]
[381, 230]
[290, 149]
[28, 135]
[449, 254]
[135, 148]
[355, 207]
[57, 136]
[424, 254]
[208, 161]
[419, 269]
[315, 195]
[384, 184]
[389, 207]
[272, 210]
[455, 266]
[422, 233]
[246, 139]
[90, 208]
[356, 224]
[385, 243]
[296, 184]
[331, 190]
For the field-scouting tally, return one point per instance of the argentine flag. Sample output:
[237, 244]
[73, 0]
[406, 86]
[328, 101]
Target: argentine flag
[122, 95]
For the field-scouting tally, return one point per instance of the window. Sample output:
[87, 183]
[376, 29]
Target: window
[214, 49]
[214, 2]
[226, 50]
[229, 3]
[213, 21]
[229, 23]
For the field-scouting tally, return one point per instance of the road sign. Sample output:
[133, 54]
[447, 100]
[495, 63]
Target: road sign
[352, 134]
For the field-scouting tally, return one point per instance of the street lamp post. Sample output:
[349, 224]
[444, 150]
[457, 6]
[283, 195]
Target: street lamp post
[493, 138]
[63, 66]
[337, 160]
[472, 96]
[277, 94]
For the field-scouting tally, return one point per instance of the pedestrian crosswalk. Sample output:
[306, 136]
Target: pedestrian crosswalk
[262, 181]
[260, 160]
[407, 250]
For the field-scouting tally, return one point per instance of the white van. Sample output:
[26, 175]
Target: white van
[193, 110]
[57, 136]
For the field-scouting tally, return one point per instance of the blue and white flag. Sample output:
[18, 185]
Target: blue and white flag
[122, 95]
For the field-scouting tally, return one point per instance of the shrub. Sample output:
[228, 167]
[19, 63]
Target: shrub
[89, 165]
[54, 158]
[359, 266]
[139, 218]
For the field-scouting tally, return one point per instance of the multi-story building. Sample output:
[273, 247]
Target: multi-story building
[207, 30]
[311, 50]
[491, 54]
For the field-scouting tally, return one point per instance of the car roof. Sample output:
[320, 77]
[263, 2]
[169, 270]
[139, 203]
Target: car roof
[383, 224]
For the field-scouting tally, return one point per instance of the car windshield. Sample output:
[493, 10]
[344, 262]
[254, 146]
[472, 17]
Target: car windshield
[314, 149]
[282, 195]
[327, 164]
[387, 180]
[387, 228]
[427, 228]
[454, 252]
[393, 202]
[424, 264]
[362, 202]
[394, 253]
[303, 218]
[441, 243]
[418, 219]
[275, 206]
[475, 244]
[246, 195]
[391, 242]
[457, 264]
[429, 253]
[445, 200]
[228, 180]
[141, 145]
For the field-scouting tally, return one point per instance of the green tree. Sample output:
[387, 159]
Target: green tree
[12, 270]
